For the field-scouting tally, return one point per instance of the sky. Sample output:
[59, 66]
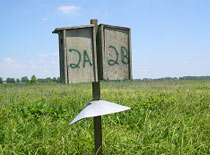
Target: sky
[170, 38]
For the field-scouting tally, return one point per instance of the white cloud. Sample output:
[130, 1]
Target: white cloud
[53, 63]
[43, 67]
[43, 54]
[55, 54]
[9, 60]
[44, 19]
[34, 67]
[9, 64]
[68, 9]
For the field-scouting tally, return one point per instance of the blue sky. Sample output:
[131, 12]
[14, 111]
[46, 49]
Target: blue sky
[169, 37]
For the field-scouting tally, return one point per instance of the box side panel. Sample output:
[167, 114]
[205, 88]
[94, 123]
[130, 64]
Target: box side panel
[116, 54]
[65, 58]
[61, 57]
[80, 50]
[130, 56]
[94, 55]
[100, 51]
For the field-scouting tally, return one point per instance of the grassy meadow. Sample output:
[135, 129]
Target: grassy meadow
[166, 117]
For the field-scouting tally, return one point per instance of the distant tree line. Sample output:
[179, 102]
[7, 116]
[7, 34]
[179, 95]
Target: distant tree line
[175, 78]
[32, 80]
[195, 78]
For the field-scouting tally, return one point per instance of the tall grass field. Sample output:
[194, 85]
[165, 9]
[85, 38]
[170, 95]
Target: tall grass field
[166, 117]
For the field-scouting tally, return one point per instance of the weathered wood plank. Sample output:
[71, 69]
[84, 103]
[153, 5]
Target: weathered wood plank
[72, 28]
[61, 57]
[116, 53]
[96, 96]
[130, 56]
[64, 54]
[78, 59]
[81, 52]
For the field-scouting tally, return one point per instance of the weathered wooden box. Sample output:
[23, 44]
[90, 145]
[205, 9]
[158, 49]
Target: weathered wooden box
[77, 54]
[114, 52]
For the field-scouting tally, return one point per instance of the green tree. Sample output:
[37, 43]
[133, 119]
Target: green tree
[1, 80]
[24, 79]
[33, 79]
[48, 79]
[54, 79]
[10, 80]
[17, 80]
[58, 80]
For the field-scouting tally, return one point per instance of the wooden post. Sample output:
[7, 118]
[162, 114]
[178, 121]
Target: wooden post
[96, 96]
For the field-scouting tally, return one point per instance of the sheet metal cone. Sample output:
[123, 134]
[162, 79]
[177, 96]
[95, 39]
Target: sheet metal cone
[98, 108]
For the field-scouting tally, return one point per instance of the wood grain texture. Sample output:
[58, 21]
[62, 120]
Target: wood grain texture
[116, 53]
[64, 57]
[77, 51]
[82, 41]
[96, 96]
[72, 28]
[61, 57]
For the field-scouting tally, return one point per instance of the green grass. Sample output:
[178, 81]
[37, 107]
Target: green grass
[168, 117]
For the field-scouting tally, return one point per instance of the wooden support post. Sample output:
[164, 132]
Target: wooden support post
[96, 96]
